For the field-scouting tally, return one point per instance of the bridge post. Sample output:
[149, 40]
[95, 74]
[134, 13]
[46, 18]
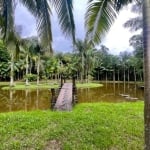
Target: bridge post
[53, 99]
[74, 89]
[61, 81]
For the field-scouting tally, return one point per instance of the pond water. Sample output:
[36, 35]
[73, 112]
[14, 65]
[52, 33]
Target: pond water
[16, 100]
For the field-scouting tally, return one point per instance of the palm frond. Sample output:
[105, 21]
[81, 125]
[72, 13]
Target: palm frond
[30, 5]
[7, 18]
[98, 19]
[134, 23]
[41, 10]
[65, 15]
[44, 23]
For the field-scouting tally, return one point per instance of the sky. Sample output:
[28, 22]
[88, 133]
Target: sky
[116, 40]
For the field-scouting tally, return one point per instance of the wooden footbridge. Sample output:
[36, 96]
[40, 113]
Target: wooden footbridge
[64, 100]
[66, 97]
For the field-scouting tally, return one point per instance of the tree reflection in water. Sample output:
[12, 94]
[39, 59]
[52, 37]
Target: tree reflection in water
[26, 100]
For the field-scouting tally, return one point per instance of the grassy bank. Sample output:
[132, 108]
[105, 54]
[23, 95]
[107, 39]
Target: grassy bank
[97, 126]
[43, 85]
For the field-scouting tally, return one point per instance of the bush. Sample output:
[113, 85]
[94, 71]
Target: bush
[31, 77]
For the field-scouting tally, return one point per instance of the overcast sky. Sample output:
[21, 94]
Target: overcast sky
[116, 40]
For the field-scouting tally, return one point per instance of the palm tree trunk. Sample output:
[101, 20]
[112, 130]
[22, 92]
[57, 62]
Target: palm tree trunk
[124, 79]
[27, 68]
[12, 70]
[118, 76]
[38, 70]
[141, 77]
[98, 76]
[146, 40]
[128, 77]
[31, 65]
[134, 75]
[106, 77]
[114, 76]
[82, 68]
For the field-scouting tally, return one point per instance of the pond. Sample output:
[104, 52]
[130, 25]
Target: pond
[26, 100]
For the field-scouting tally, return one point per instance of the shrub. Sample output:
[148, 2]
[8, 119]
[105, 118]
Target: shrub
[31, 77]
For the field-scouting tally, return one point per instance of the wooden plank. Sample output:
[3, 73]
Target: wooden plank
[64, 100]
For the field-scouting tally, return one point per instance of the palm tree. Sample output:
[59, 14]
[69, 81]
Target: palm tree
[13, 48]
[146, 42]
[42, 10]
[99, 18]
[80, 50]
[90, 61]
[26, 44]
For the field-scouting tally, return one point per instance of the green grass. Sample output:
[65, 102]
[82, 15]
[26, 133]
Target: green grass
[88, 85]
[42, 85]
[31, 86]
[98, 126]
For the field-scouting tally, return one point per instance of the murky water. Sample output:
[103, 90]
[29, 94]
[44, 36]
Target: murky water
[111, 93]
[14, 100]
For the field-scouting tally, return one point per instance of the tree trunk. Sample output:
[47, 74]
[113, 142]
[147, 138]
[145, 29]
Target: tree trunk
[31, 65]
[141, 77]
[106, 77]
[27, 68]
[146, 41]
[134, 75]
[114, 76]
[114, 79]
[38, 70]
[128, 77]
[124, 79]
[118, 76]
[12, 70]
[82, 68]
[118, 79]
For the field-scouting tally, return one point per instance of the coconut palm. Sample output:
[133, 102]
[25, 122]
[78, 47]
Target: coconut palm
[99, 17]
[80, 50]
[146, 37]
[42, 10]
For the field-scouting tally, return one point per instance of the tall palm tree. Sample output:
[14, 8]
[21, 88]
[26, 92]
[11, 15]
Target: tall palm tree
[146, 42]
[80, 50]
[99, 17]
[42, 10]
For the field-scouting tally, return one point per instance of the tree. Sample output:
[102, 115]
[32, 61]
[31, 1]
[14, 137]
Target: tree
[13, 48]
[42, 11]
[81, 47]
[100, 12]
[146, 42]
[4, 59]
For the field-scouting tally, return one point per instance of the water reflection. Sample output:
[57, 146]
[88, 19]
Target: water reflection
[111, 93]
[11, 100]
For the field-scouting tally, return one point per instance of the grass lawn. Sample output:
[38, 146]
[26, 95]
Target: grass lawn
[43, 85]
[97, 126]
